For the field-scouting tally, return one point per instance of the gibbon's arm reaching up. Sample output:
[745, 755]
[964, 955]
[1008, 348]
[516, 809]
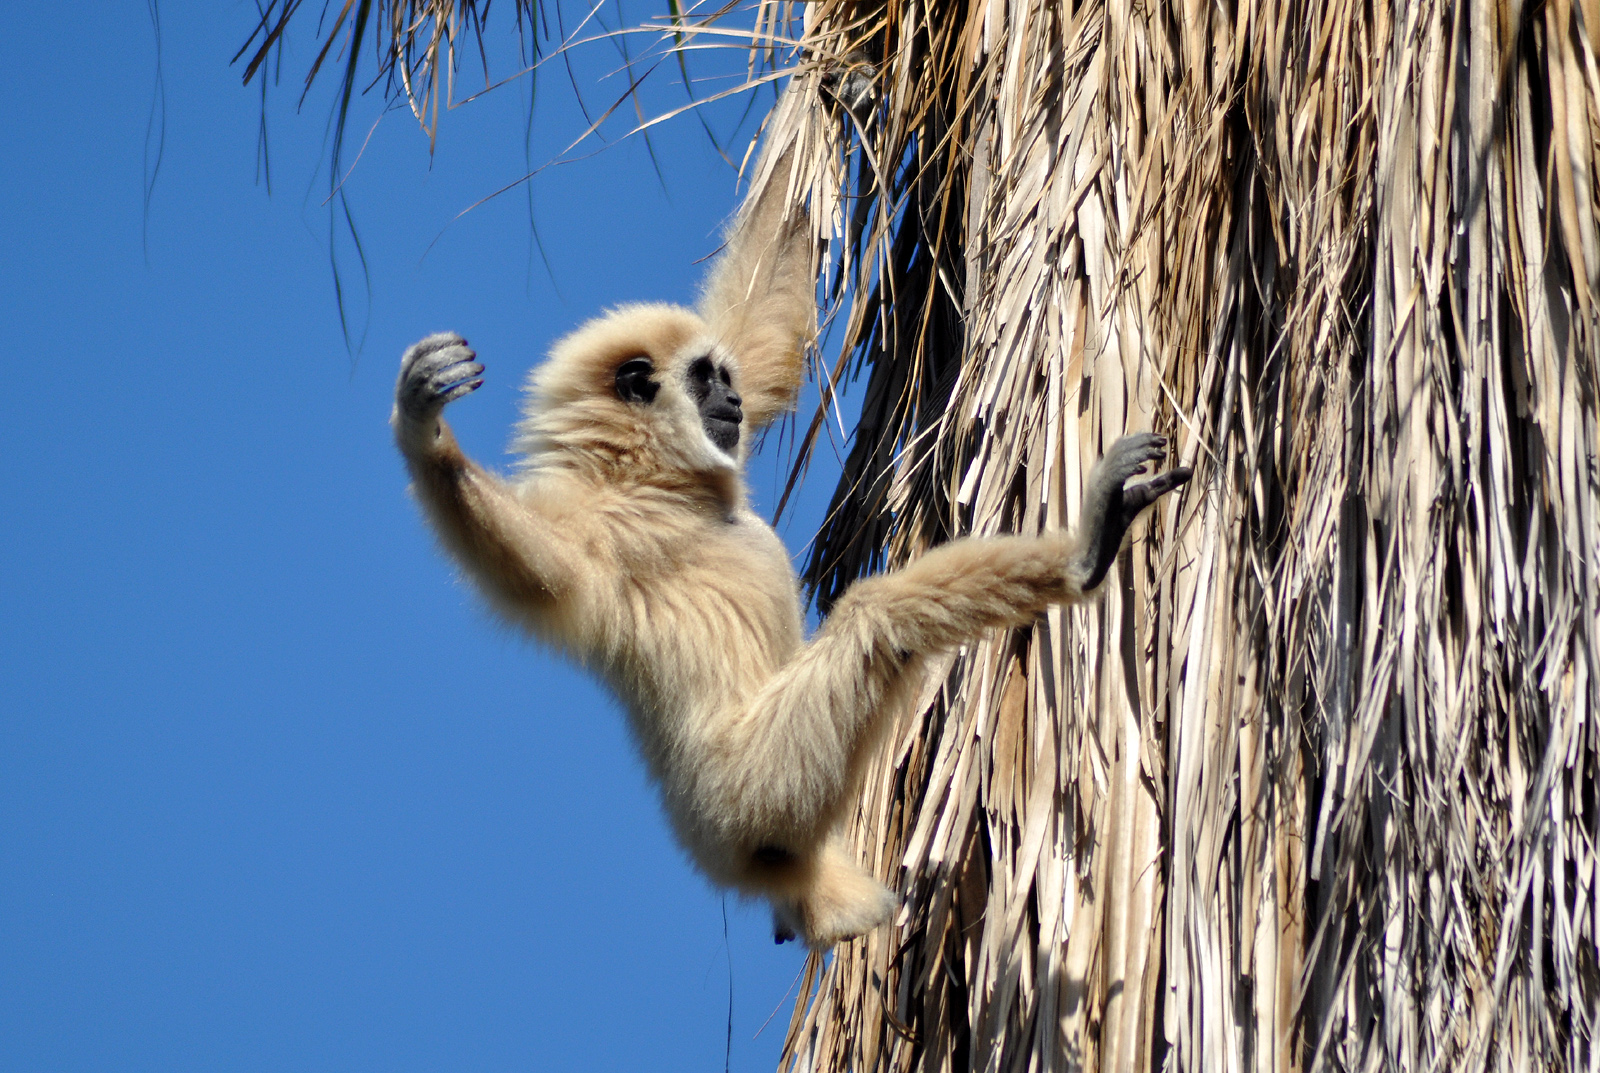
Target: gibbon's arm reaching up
[484, 523]
[762, 291]
[772, 335]
[626, 541]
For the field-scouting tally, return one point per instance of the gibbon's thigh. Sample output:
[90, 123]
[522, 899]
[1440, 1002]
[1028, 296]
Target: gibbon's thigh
[788, 759]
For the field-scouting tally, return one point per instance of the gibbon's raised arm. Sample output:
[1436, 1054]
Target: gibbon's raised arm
[762, 294]
[491, 527]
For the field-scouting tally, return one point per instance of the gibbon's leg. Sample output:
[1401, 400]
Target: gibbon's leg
[801, 745]
[493, 531]
[824, 897]
[800, 749]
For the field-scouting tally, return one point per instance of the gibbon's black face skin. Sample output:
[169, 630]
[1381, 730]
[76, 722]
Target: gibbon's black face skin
[711, 387]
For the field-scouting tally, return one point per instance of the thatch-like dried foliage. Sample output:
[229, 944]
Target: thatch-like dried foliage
[415, 44]
[1314, 786]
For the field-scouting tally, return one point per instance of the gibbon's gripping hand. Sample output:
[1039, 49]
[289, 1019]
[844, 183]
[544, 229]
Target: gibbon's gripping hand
[437, 371]
[1109, 507]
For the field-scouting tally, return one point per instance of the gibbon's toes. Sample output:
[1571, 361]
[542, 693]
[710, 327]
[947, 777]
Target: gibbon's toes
[1128, 455]
[784, 927]
[848, 911]
[1138, 496]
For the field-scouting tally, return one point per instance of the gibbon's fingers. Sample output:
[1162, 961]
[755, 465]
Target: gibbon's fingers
[465, 387]
[436, 341]
[1103, 493]
[1127, 457]
[853, 85]
[435, 372]
[429, 390]
[449, 379]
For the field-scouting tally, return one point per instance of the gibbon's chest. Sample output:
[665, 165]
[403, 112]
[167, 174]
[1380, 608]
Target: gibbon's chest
[704, 611]
[721, 576]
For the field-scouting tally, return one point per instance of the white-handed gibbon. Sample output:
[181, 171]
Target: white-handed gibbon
[625, 540]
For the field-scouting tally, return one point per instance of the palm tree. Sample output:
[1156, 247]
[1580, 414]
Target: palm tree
[1314, 785]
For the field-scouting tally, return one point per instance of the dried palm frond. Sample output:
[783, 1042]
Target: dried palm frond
[414, 50]
[1314, 785]
[414, 44]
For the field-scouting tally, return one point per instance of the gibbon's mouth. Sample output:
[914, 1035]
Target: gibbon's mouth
[724, 431]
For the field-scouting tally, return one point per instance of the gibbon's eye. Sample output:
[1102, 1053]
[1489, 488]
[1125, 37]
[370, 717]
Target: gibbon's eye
[634, 383]
[725, 376]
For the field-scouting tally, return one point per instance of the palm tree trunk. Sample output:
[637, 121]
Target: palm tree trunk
[1313, 786]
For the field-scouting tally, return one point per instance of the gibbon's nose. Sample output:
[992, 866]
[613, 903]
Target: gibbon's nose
[730, 407]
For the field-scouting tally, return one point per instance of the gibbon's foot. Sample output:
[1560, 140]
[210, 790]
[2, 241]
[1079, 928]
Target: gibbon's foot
[1109, 507]
[785, 926]
[437, 371]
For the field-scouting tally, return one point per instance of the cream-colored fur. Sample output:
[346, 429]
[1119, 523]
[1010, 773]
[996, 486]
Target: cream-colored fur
[625, 540]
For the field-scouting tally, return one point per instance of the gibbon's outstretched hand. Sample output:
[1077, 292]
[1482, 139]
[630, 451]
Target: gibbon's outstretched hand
[625, 540]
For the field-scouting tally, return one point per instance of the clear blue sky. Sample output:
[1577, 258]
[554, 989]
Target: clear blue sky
[275, 794]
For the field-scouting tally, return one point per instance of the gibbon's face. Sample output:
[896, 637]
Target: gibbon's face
[707, 382]
[639, 389]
